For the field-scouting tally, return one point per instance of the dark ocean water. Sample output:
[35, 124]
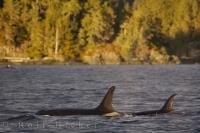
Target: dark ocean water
[29, 88]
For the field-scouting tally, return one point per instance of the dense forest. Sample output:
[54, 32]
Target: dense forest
[101, 31]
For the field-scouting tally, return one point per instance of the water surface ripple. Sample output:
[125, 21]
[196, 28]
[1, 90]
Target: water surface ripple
[29, 88]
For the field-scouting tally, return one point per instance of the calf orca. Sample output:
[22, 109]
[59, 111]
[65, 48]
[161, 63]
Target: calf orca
[105, 107]
[167, 108]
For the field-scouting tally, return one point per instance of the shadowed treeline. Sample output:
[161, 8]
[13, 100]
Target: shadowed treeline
[101, 31]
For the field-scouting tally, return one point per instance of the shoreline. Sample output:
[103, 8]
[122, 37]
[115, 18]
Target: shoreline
[53, 61]
[81, 63]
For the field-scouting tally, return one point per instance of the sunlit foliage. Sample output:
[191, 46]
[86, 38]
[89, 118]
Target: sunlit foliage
[101, 31]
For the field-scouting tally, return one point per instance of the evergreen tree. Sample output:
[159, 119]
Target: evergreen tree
[133, 31]
[97, 23]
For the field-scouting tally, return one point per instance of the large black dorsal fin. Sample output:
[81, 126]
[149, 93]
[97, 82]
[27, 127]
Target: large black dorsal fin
[168, 106]
[106, 104]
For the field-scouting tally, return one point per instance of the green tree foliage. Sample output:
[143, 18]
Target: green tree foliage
[101, 31]
[69, 28]
[162, 27]
[97, 23]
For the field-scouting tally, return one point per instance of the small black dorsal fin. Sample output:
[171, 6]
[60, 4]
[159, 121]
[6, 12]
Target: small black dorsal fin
[106, 104]
[168, 106]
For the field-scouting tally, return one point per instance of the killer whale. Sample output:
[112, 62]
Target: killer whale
[105, 107]
[167, 108]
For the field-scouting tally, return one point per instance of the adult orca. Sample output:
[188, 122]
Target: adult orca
[167, 108]
[104, 108]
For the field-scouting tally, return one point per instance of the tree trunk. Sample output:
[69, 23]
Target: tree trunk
[56, 41]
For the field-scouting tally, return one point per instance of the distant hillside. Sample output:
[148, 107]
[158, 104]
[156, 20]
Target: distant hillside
[101, 31]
